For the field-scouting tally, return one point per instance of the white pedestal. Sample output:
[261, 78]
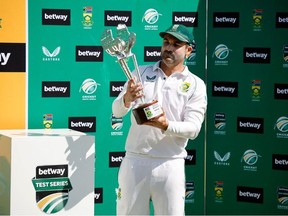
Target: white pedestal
[46, 171]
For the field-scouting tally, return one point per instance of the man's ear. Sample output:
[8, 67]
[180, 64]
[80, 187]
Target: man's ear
[189, 50]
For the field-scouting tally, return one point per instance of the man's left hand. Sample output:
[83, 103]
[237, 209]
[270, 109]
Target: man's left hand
[159, 122]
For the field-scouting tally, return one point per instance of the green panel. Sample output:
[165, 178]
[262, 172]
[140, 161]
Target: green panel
[63, 67]
[226, 169]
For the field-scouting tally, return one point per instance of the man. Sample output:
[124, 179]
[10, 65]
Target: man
[154, 166]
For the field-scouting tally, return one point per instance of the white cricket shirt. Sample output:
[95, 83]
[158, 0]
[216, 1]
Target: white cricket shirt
[184, 100]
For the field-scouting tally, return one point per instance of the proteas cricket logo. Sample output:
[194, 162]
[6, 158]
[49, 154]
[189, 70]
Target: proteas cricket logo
[52, 187]
[47, 121]
[218, 190]
[256, 87]
[285, 55]
[184, 87]
[87, 17]
[257, 19]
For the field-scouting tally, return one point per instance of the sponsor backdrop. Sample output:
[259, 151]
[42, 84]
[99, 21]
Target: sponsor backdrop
[247, 119]
[72, 81]
[12, 64]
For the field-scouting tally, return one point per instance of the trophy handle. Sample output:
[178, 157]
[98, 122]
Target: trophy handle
[125, 67]
[136, 68]
[127, 71]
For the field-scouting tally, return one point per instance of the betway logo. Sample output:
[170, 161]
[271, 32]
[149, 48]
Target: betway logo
[116, 88]
[224, 89]
[281, 20]
[153, 53]
[249, 194]
[191, 157]
[83, 124]
[55, 89]
[4, 57]
[116, 158]
[225, 19]
[51, 171]
[12, 57]
[98, 195]
[280, 162]
[117, 18]
[184, 19]
[250, 125]
[189, 19]
[256, 55]
[55, 17]
[88, 53]
[113, 18]
[280, 91]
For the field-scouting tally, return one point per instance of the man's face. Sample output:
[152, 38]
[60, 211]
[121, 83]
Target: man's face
[174, 51]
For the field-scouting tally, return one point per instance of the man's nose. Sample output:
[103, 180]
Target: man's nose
[169, 47]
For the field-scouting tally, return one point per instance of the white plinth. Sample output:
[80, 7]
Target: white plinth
[38, 163]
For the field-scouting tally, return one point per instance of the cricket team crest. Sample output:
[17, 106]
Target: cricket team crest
[285, 55]
[184, 87]
[52, 187]
[87, 17]
[257, 19]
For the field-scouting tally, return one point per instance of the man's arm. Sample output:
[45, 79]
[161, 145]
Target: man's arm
[123, 103]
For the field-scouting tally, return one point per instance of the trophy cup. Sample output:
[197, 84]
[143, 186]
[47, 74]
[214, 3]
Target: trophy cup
[121, 48]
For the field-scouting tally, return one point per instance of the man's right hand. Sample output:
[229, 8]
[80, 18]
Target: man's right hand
[134, 91]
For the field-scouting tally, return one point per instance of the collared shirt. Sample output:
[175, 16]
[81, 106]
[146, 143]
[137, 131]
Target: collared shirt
[183, 98]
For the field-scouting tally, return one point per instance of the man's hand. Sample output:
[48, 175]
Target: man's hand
[159, 122]
[134, 91]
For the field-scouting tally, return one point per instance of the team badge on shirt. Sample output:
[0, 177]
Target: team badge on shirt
[118, 193]
[184, 87]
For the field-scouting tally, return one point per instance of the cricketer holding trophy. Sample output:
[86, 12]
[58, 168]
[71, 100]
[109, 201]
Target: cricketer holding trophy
[154, 165]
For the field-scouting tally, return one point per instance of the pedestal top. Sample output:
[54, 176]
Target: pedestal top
[40, 132]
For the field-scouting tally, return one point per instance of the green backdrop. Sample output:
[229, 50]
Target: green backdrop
[239, 162]
[247, 148]
[72, 82]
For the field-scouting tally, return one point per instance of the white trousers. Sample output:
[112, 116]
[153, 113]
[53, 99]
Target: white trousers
[161, 180]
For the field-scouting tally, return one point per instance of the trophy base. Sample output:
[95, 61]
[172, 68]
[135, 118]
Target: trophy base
[147, 111]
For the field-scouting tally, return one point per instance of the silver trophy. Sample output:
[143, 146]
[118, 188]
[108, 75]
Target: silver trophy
[120, 47]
